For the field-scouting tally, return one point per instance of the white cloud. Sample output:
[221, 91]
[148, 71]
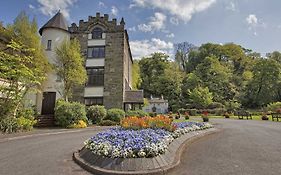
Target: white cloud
[132, 29]
[156, 23]
[31, 6]
[50, 7]
[141, 48]
[231, 6]
[182, 9]
[101, 4]
[114, 11]
[252, 19]
[255, 23]
[174, 21]
[170, 35]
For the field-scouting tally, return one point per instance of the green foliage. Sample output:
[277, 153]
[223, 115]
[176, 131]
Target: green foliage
[69, 113]
[136, 78]
[215, 105]
[96, 113]
[263, 88]
[23, 65]
[136, 113]
[201, 96]
[108, 123]
[115, 114]
[9, 125]
[70, 66]
[274, 106]
[25, 123]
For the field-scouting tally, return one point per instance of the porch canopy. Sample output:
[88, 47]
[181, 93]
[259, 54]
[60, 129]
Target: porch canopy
[133, 100]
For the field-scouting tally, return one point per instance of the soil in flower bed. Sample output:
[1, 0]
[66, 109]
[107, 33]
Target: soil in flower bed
[128, 143]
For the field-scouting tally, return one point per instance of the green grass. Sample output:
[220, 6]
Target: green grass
[198, 118]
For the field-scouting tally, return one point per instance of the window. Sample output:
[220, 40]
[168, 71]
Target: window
[95, 76]
[93, 101]
[97, 33]
[49, 45]
[96, 52]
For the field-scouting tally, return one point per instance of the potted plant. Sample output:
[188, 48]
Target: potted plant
[186, 116]
[178, 115]
[264, 116]
[226, 115]
[205, 116]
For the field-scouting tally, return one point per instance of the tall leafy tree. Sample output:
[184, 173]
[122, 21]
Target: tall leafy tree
[200, 97]
[182, 50]
[70, 67]
[263, 87]
[151, 70]
[23, 64]
[136, 75]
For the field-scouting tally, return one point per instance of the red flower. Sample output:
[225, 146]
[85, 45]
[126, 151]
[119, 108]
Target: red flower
[205, 113]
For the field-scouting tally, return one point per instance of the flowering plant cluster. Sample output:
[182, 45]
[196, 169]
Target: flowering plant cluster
[129, 143]
[160, 122]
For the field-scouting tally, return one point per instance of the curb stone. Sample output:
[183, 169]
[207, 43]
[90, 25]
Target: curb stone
[172, 160]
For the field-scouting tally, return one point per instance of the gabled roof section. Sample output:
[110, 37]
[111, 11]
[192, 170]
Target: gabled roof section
[58, 22]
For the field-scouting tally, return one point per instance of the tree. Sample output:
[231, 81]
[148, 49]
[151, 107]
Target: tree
[182, 50]
[216, 77]
[70, 66]
[151, 69]
[200, 97]
[136, 75]
[263, 87]
[24, 65]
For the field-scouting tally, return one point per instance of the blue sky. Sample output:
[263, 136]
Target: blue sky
[154, 25]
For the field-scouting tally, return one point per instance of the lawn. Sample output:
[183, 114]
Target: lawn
[198, 118]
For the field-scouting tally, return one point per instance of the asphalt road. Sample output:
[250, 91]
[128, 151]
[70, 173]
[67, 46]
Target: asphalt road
[241, 148]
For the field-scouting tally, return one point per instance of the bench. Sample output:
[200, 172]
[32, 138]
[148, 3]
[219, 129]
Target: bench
[244, 114]
[276, 115]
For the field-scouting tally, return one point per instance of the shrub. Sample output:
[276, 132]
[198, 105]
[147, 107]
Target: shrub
[274, 106]
[96, 113]
[107, 123]
[215, 105]
[25, 123]
[152, 114]
[115, 114]
[79, 124]
[69, 113]
[9, 125]
[137, 113]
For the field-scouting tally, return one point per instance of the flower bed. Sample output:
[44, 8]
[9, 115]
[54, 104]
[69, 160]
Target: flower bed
[146, 142]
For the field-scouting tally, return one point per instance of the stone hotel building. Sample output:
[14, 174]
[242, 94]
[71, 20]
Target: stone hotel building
[108, 61]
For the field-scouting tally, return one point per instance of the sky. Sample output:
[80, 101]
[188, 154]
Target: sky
[155, 25]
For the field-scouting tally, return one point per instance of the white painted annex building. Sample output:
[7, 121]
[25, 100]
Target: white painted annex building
[53, 33]
[158, 105]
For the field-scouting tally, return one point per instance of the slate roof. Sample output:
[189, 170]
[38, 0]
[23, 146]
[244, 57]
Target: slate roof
[58, 21]
[134, 96]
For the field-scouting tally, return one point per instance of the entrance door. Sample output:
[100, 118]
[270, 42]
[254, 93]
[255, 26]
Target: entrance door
[48, 103]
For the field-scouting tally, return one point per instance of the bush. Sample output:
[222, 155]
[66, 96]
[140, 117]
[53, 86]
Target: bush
[107, 123]
[136, 113]
[9, 125]
[152, 114]
[274, 106]
[69, 113]
[115, 114]
[215, 105]
[25, 123]
[96, 113]
[80, 124]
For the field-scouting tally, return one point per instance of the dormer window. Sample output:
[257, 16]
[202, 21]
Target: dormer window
[97, 33]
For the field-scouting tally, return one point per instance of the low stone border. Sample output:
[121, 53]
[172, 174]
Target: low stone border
[158, 165]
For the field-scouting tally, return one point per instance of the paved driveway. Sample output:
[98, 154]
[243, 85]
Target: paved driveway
[242, 148]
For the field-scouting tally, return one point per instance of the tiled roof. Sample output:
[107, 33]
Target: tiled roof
[58, 21]
[134, 96]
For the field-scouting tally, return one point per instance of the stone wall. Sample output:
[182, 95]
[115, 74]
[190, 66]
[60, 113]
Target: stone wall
[113, 70]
